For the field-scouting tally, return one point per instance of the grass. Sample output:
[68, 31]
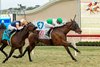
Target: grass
[55, 57]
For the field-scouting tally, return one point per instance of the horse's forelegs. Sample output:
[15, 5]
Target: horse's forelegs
[67, 49]
[29, 49]
[65, 44]
[11, 52]
[23, 53]
[70, 45]
[20, 51]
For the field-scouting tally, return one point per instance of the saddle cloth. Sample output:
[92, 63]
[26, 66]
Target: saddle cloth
[42, 34]
[6, 36]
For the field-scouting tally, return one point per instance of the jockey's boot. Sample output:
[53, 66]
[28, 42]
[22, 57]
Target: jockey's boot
[48, 33]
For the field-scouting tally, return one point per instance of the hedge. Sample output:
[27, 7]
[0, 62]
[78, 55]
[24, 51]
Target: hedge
[88, 43]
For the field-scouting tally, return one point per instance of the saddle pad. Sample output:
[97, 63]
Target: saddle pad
[42, 34]
[5, 35]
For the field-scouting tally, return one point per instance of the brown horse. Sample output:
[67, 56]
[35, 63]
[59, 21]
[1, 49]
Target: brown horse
[18, 39]
[58, 38]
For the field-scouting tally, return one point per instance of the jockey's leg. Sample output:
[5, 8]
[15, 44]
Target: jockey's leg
[12, 32]
[48, 33]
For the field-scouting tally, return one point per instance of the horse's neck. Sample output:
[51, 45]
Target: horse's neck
[22, 34]
[64, 29]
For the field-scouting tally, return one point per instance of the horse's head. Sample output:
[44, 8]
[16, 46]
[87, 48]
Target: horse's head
[30, 27]
[74, 26]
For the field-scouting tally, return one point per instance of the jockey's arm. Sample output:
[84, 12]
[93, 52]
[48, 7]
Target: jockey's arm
[49, 25]
[18, 27]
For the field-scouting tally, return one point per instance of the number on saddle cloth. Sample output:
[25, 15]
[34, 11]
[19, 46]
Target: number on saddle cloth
[43, 30]
[40, 25]
[42, 34]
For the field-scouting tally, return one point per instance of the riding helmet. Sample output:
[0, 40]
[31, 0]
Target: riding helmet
[49, 21]
[59, 20]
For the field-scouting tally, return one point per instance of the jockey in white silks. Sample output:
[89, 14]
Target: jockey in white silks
[51, 23]
[17, 25]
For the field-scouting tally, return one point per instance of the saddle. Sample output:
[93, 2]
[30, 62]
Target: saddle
[43, 34]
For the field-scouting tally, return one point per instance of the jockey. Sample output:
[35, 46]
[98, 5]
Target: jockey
[17, 25]
[51, 23]
[90, 4]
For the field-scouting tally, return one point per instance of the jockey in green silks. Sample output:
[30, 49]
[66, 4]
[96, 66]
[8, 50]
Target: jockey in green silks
[51, 23]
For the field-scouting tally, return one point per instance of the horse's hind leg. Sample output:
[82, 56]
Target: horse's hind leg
[2, 47]
[70, 45]
[67, 49]
[10, 54]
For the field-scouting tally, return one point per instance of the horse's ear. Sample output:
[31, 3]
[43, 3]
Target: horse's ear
[74, 17]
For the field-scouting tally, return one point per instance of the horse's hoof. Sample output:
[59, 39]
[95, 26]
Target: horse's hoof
[14, 56]
[3, 62]
[31, 60]
[75, 60]
[17, 56]
[79, 52]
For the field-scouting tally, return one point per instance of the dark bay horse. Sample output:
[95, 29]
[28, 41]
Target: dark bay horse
[58, 38]
[18, 39]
